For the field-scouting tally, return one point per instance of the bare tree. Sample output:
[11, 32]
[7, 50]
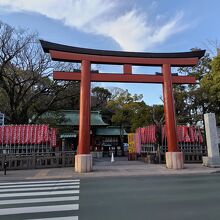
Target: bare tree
[26, 87]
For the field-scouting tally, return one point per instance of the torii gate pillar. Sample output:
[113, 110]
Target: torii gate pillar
[174, 158]
[83, 159]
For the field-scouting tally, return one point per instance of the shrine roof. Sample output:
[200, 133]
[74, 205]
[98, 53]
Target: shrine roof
[71, 117]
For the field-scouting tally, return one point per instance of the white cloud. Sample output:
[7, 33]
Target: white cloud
[131, 30]
[75, 13]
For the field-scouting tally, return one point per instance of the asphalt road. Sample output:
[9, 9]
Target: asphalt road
[173, 197]
[153, 198]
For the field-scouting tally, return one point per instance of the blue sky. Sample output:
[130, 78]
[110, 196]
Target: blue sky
[130, 25]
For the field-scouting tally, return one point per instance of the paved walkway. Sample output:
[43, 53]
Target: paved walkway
[104, 168]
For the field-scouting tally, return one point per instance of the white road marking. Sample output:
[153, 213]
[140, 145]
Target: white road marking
[58, 218]
[39, 188]
[39, 182]
[32, 189]
[37, 209]
[39, 193]
[35, 184]
[51, 199]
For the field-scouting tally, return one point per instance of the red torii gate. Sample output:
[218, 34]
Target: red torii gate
[58, 52]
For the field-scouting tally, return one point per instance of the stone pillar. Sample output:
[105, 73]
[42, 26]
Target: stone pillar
[213, 158]
[174, 160]
[83, 163]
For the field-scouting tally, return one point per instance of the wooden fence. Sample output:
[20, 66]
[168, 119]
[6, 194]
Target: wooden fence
[37, 160]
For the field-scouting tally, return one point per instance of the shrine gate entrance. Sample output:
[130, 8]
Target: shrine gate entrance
[58, 52]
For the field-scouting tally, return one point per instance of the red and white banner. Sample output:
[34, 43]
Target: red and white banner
[138, 140]
[11, 136]
[148, 134]
[46, 133]
[53, 137]
[180, 133]
[35, 129]
[26, 134]
[186, 134]
[142, 135]
[1, 134]
[200, 136]
[40, 134]
[164, 134]
[6, 134]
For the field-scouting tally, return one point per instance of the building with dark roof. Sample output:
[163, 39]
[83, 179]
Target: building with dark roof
[103, 137]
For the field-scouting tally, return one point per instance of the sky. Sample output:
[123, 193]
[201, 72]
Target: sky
[126, 25]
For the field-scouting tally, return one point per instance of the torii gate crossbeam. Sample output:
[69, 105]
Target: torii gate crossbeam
[58, 52]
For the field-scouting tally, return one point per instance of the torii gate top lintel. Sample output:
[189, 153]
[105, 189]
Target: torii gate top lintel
[61, 52]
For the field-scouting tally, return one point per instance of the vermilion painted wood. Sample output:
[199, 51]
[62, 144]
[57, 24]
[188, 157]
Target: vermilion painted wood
[84, 119]
[127, 69]
[74, 57]
[127, 59]
[126, 78]
[169, 109]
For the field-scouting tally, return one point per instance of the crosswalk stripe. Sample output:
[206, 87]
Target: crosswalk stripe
[35, 184]
[59, 218]
[40, 200]
[37, 209]
[39, 182]
[39, 188]
[39, 193]
[58, 196]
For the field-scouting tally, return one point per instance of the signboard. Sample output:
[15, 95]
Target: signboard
[131, 143]
[218, 133]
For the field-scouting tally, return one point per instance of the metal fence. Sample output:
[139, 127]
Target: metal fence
[155, 153]
[38, 160]
[192, 153]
